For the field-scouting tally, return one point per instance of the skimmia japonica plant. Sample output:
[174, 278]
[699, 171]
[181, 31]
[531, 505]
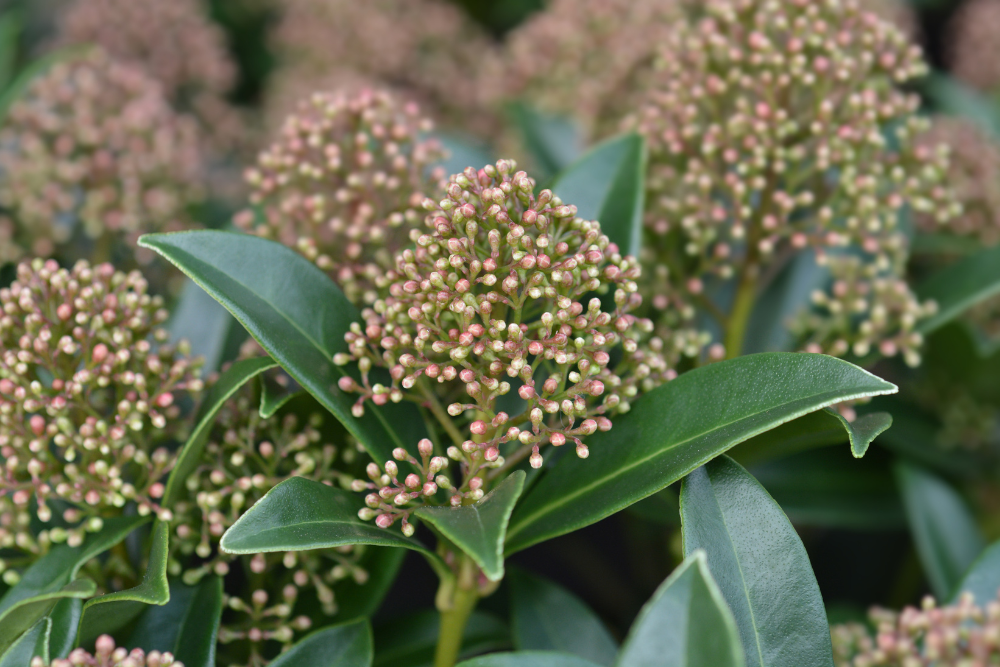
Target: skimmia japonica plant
[334, 380]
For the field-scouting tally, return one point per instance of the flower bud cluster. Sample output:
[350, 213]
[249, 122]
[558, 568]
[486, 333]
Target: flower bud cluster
[500, 295]
[960, 634]
[559, 60]
[972, 44]
[974, 176]
[107, 655]
[397, 495]
[864, 312]
[778, 125]
[174, 42]
[427, 50]
[89, 394]
[247, 456]
[343, 184]
[93, 146]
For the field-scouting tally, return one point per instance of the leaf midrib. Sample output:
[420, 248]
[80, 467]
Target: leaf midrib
[567, 498]
[374, 409]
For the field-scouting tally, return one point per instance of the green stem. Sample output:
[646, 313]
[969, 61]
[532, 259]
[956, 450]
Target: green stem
[442, 416]
[455, 612]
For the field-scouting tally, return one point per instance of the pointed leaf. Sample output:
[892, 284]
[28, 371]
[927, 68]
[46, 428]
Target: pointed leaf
[528, 659]
[959, 287]
[20, 617]
[608, 184]
[479, 530]
[58, 567]
[273, 397]
[300, 514]
[676, 428]
[760, 565]
[685, 624]
[944, 530]
[31, 644]
[817, 429]
[186, 626]
[410, 641]
[983, 578]
[547, 617]
[228, 384]
[65, 620]
[554, 141]
[297, 314]
[338, 646]
[108, 613]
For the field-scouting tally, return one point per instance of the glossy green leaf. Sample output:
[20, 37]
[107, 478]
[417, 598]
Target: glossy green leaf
[65, 620]
[297, 314]
[547, 617]
[685, 624]
[944, 530]
[58, 567]
[20, 617]
[760, 565]
[527, 659]
[108, 613]
[228, 384]
[786, 296]
[555, 142]
[347, 645]
[34, 642]
[479, 529]
[300, 514]
[983, 578]
[676, 428]
[410, 641]
[608, 184]
[199, 319]
[960, 286]
[830, 489]
[187, 625]
[817, 429]
[273, 397]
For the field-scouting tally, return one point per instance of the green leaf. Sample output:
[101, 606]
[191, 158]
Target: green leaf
[760, 565]
[297, 315]
[410, 641]
[959, 287]
[953, 97]
[186, 626]
[685, 624]
[788, 294]
[463, 151]
[11, 25]
[58, 567]
[527, 659]
[20, 617]
[479, 530]
[817, 429]
[199, 319]
[983, 578]
[228, 384]
[273, 397]
[555, 142]
[108, 613]
[347, 645]
[676, 428]
[547, 617]
[65, 620]
[34, 642]
[829, 488]
[299, 514]
[608, 184]
[943, 528]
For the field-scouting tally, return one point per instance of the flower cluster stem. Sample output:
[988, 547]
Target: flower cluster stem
[739, 316]
[455, 612]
